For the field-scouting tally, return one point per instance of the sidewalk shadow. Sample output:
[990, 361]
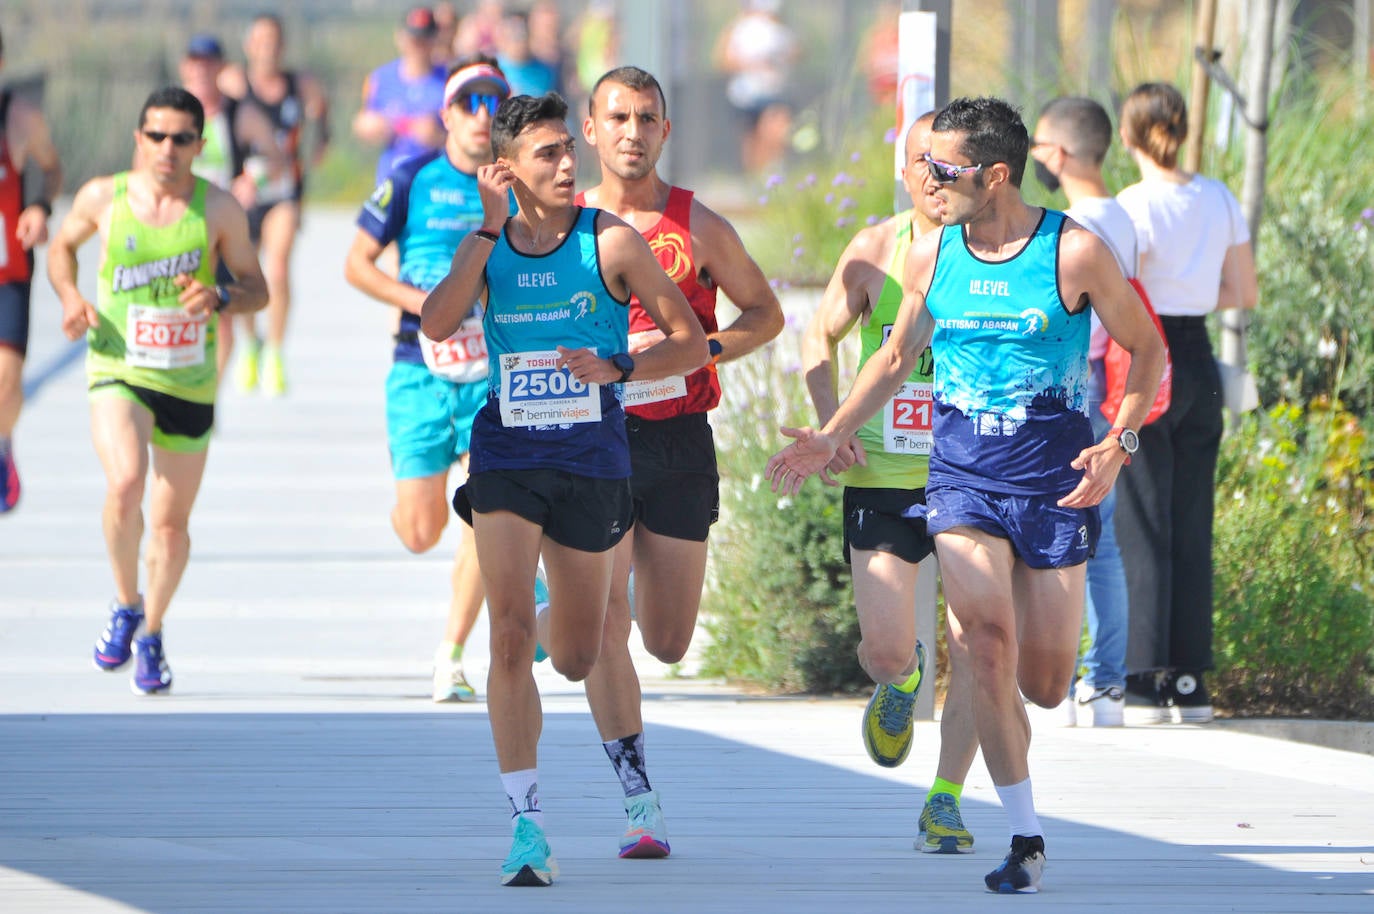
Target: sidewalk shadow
[398, 812]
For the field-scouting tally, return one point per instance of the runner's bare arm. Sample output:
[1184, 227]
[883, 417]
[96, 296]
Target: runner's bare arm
[732, 269]
[255, 129]
[453, 298]
[1239, 287]
[362, 272]
[89, 206]
[31, 141]
[316, 113]
[881, 376]
[227, 225]
[1089, 270]
[631, 268]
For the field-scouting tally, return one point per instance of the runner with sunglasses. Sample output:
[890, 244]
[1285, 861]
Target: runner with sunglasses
[426, 206]
[150, 362]
[1003, 295]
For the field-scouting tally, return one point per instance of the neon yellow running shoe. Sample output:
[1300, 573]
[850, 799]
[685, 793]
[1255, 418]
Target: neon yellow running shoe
[942, 827]
[273, 372]
[246, 364]
[887, 721]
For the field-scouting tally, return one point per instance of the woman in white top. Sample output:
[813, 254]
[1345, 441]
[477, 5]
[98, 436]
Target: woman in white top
[1195, 258]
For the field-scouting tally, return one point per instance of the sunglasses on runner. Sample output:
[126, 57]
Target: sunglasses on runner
[945, 173]
[184, 138]
[474, 103]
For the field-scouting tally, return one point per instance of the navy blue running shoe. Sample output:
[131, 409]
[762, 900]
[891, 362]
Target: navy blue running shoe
[112, 647]
[152, 675]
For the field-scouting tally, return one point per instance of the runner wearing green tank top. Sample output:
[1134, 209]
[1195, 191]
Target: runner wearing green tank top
[883, 470]
[150, 363]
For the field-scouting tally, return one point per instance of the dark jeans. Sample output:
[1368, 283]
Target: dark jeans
[1164, 513]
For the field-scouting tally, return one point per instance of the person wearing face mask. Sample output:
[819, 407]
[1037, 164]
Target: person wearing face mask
[1071, 140]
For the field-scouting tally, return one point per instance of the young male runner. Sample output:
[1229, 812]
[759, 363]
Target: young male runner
[884, 467]
[550, 463]
[1003, 294]
[24, 138]
[427, 206]
[672, 455]
[151, 358]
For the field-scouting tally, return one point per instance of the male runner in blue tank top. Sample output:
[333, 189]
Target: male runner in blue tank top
[1002, 294]
[550, 460]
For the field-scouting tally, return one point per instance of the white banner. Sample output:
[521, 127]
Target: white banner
[916, 36]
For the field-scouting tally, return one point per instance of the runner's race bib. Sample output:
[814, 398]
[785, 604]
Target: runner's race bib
[907, 420]
[535, 391]
[462, 358]
[640, 393]
[163, 338]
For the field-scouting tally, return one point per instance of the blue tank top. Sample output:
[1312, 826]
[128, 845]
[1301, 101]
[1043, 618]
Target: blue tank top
[427, 207]
[536, 416]
[1011, 368]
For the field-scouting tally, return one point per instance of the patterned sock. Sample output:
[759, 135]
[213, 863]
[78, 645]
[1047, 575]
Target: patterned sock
[943, 786]
[627, 755]
[522, 791]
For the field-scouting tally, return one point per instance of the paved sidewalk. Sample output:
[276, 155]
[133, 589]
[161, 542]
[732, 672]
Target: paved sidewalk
[300, 767]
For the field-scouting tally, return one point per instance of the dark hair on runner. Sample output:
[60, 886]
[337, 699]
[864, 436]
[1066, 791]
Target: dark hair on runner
[993, 132]
[520, 111]
[178, 99]
[1085, 123]
[1154, 119]
[630, 78]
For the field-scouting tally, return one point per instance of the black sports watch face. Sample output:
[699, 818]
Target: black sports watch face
[1129, 440]
[624, 364]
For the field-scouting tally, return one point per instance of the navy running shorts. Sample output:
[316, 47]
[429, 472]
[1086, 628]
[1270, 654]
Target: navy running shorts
[1042, 534]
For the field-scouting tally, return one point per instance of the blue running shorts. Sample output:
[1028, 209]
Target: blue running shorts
[428, 419]
[1042, 534]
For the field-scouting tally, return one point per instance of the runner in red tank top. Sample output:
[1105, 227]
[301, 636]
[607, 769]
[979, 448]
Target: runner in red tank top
[672, 455]
[24, 138]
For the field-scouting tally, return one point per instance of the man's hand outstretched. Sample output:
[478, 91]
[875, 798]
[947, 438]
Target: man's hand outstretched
[805, 456]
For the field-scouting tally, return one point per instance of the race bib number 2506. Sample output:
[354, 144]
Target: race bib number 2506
[535, 391]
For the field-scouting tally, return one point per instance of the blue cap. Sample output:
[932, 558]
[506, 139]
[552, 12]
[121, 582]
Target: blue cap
[205, 45]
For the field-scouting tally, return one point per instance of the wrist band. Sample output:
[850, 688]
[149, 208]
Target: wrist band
[222, 294]
[490, 236]
[44, 205]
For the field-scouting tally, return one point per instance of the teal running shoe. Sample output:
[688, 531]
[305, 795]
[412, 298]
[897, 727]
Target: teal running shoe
[647, 835]
[529, 862]
[541, 603]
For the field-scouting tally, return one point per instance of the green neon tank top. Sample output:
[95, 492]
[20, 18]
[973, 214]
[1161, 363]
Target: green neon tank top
[144, 338]
[895, 459]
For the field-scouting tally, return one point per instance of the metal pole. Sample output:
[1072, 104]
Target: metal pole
[1197, 104]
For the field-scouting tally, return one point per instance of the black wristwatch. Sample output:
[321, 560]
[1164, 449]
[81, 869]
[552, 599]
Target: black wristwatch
[222, 293]
[1127, 438]
[624, 364]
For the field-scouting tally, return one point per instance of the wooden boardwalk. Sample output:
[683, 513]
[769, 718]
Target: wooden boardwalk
[299, 766]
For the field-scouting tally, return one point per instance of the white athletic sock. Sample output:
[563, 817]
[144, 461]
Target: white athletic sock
[1019, 804]
[522, 790]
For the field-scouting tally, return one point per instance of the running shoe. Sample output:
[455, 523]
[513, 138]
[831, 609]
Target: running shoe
[9, 479]
[246, 364]
[529, 862]
[152, 675]
[647, 835]
[112, 648]
[1021, 869]
[273, 372]
[541, 603]
[449, 682]
[1104, 707]
[887, 724]
[942, 827]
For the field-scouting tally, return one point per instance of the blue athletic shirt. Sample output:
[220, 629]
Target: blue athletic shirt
[1011, 368]
[405, 103]
[427, 206]
[534, 304]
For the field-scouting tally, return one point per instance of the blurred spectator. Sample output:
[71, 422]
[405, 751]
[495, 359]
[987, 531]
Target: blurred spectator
[596, 43]
[445, 32]
[402, 99]
[879, 54]
[757, 51]
[527, 74]
[546, 39]
[480, 30]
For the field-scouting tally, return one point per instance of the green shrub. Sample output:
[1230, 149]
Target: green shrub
[779, 607]
[1294, 580]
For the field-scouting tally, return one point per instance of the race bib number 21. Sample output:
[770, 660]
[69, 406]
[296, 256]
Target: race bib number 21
[535, 391]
